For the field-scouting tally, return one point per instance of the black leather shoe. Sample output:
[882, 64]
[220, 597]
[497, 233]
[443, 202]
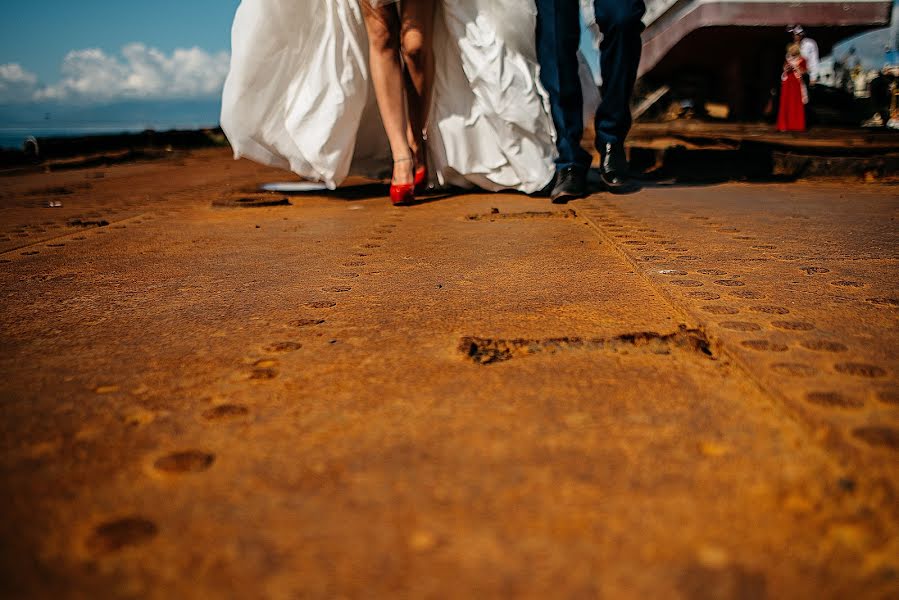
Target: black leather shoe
[613, 169]
[546, 190]
[571, 183]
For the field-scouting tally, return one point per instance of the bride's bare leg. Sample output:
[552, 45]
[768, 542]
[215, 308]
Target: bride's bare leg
[418, 56]
[383, 26]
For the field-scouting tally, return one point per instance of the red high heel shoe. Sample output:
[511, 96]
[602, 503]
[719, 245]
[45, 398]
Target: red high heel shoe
[402, 193]
[421, 180]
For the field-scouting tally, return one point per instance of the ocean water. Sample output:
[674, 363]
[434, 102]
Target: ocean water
[14, 137]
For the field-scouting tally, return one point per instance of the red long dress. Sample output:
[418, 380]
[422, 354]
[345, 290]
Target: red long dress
[791, 115]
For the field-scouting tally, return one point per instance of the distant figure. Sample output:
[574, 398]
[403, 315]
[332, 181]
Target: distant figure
[809, 50]
[850, 61]
[840, 74]
[882, 95]
[793, 93]
[852, 58]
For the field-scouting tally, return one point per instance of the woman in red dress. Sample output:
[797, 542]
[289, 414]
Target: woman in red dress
[793, 93]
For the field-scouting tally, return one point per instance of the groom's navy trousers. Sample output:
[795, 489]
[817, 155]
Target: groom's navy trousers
[558, 39]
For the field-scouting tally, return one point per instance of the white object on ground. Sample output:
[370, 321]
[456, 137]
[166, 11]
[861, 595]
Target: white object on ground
[286, 187]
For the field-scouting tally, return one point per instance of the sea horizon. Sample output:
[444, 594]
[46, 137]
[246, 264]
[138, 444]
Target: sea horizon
[13, 138]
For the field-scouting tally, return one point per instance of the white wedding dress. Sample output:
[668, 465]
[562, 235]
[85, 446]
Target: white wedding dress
[299, 94]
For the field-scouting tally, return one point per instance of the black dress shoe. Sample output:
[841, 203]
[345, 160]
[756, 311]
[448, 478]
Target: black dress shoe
[613, 169]
[571, 183]
[546, 190]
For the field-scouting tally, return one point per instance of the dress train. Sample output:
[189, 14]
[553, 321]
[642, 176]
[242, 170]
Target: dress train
[299, 95]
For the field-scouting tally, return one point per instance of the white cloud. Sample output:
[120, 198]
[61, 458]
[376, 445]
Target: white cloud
[139, 72]
[16, 84]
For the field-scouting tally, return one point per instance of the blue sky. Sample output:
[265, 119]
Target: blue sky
[37, 34]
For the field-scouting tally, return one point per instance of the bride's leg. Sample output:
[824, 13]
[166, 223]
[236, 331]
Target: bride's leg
[418, 56]
[383, 26]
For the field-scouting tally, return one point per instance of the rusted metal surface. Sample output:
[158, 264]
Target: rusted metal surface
[688, 391]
